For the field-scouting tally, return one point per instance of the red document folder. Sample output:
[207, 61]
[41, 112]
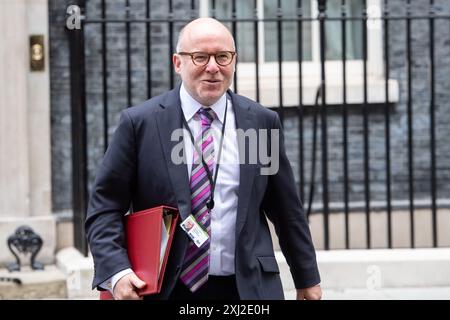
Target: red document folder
[144, 234]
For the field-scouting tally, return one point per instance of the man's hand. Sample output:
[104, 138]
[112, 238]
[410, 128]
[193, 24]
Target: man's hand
[126, 288]
[312, 293]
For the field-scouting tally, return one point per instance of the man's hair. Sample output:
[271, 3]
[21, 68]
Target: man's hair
[178, 48]
[180, 35]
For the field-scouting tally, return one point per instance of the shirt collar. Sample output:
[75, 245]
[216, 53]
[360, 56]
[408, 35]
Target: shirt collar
[190, 106]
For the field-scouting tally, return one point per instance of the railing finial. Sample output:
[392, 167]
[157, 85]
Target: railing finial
[322, 6]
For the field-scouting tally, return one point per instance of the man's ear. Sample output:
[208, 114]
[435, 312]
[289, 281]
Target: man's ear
[176, 63]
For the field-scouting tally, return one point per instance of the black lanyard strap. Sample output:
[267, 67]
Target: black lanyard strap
[210, 203]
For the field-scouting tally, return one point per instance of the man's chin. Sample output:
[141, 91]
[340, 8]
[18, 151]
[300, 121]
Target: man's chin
[210, 98]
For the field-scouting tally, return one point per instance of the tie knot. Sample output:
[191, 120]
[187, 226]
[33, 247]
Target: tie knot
[207, 115]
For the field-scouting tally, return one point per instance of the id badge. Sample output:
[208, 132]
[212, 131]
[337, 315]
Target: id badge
[197, 234]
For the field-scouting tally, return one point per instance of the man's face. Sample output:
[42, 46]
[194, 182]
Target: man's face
[208, 83]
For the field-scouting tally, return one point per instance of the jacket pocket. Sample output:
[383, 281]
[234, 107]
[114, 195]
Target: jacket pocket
[269, 264]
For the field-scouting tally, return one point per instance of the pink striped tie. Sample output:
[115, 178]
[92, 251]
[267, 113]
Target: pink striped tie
[196, 261]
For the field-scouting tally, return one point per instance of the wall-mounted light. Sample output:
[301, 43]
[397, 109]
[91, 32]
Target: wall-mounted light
[37, 53]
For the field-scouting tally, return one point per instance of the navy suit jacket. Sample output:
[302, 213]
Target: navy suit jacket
[137, 172]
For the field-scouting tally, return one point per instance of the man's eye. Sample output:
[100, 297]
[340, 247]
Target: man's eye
[222, 57]
[200, 58]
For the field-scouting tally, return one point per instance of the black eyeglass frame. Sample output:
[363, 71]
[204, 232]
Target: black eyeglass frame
[191, 54]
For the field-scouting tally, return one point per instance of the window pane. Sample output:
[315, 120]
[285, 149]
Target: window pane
[244, 30]
[353, 31]
[289, 30]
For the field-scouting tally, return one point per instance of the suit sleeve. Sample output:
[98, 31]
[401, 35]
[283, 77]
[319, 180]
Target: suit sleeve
[109, 201]
[282, 206]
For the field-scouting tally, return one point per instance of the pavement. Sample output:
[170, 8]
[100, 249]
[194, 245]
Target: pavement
[431, 293]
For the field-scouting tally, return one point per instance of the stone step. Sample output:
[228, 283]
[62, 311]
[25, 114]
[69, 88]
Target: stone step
[79, 272]
[377, 268]
[49, 283]
[369, 270]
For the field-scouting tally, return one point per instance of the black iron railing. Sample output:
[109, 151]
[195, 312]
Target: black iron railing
[301, 110]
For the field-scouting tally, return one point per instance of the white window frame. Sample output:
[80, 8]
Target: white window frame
[268, 71]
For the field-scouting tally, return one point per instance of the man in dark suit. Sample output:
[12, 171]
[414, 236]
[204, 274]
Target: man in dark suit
[217, 185]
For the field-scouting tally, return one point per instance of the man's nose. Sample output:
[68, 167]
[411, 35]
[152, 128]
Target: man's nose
[212, 65]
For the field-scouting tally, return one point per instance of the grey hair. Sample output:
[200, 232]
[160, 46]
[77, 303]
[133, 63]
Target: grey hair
[178, 48]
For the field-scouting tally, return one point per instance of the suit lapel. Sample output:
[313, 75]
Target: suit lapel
[244, 121]
[169, 120]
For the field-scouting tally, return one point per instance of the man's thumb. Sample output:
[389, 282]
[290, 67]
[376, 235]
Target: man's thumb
[138, 283]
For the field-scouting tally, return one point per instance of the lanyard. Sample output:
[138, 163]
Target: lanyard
[210, 202]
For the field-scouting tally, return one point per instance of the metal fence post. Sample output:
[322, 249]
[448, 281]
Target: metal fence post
[79, 142]
[323, 121]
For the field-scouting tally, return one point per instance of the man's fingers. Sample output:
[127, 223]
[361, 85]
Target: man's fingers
[314, 296]
[300, 296]
[136, 282]
[126, 288]
[129, 294]
[312, 293]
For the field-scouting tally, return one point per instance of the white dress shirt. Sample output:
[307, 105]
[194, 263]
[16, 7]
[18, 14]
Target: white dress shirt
[223, 215]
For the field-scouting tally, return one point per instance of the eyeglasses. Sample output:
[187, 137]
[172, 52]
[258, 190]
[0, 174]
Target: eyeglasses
[201, 59]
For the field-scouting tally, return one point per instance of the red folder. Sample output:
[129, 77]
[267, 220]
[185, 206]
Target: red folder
[144, 233]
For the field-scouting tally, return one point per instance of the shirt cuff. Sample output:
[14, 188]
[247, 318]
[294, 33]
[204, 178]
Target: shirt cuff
[111, 282]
